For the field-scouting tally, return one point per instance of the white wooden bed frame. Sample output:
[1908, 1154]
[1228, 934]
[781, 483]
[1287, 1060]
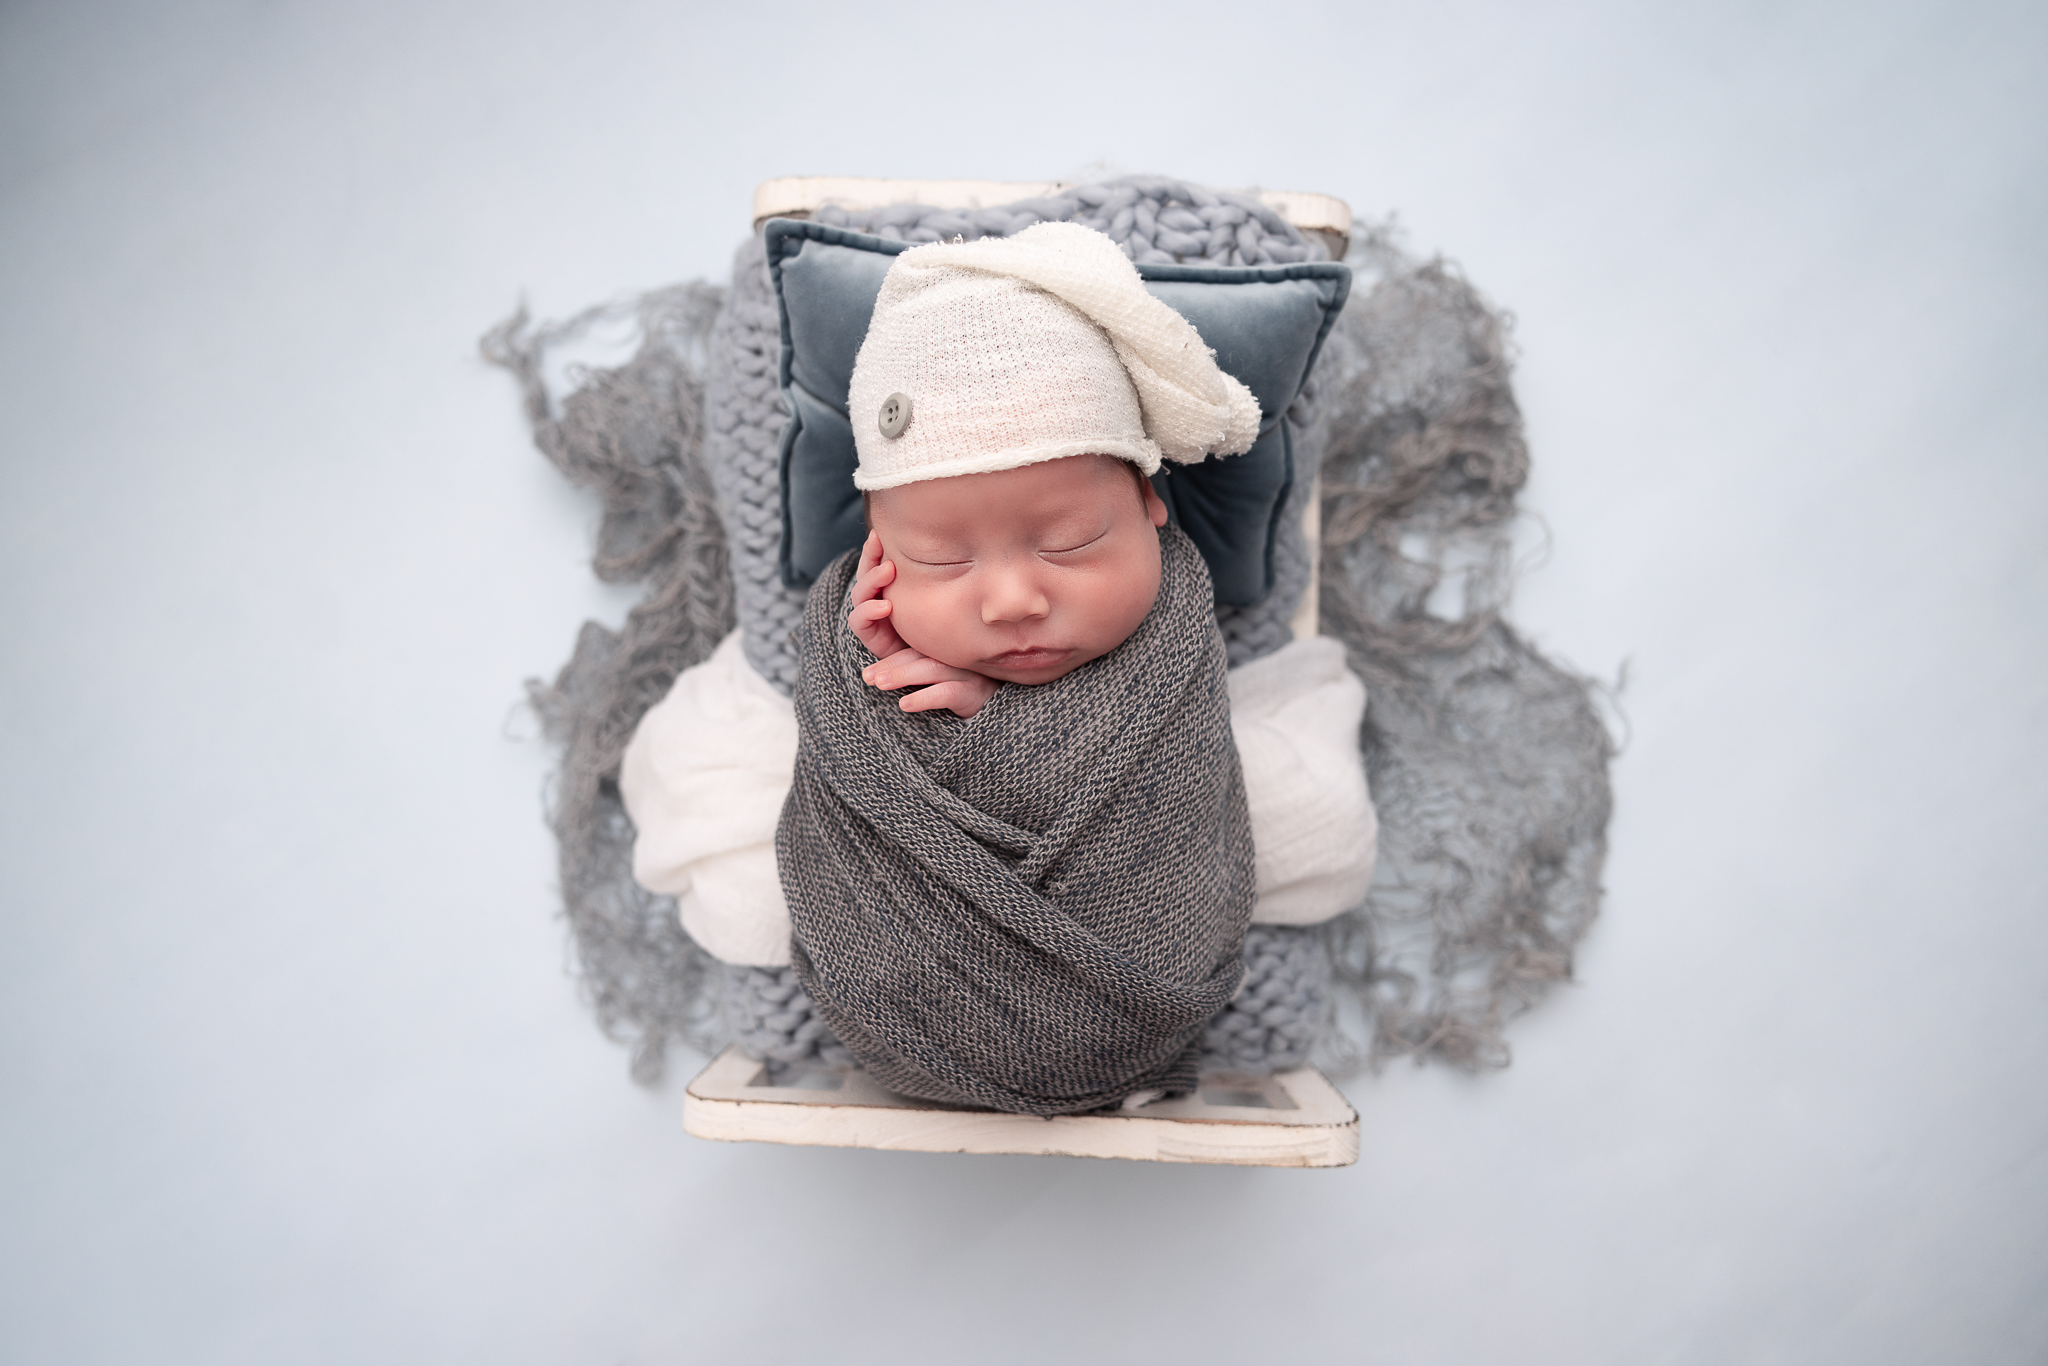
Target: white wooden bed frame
[1289, 1119]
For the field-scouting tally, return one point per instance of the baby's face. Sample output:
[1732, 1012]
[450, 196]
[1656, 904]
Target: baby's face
[1022, 575]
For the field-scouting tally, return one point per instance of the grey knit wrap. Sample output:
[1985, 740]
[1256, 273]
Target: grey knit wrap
[1037, 910]
[1488, 761]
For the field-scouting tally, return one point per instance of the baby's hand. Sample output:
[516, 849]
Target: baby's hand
[959, 691]
[896, 664]
[869, 619]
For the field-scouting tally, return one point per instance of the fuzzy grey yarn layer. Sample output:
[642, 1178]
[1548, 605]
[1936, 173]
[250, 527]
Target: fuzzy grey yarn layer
[633, 434]
[1488, 763]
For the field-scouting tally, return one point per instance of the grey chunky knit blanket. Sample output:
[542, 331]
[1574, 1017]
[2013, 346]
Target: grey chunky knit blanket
[1488, 761]
[1037, 910]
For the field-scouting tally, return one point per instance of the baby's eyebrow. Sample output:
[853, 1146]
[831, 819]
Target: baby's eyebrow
[1092, 520]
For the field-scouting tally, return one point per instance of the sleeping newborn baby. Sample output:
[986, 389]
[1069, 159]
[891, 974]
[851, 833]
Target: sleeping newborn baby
[1024, 883]
[1012, 855]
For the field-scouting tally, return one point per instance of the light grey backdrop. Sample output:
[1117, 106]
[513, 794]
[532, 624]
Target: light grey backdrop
[292, 1070]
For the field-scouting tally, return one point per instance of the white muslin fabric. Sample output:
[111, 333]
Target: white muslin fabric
[1014, 350]
[1295, 715]
[706, 772]
[704, 779]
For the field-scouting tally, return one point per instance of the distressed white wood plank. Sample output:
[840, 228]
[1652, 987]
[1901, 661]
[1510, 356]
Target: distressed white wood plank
[801, 196]
[1291, 1119]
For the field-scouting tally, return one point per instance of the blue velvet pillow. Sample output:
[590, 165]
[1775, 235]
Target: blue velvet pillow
[1266, 324]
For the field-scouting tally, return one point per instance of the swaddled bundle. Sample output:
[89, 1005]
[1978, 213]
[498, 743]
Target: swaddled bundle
[1036, 910]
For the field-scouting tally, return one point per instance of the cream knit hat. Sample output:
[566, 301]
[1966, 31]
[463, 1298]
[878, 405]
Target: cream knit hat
[1007, 351]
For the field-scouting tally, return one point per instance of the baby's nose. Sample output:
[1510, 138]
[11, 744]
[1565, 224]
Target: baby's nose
[1012, 597]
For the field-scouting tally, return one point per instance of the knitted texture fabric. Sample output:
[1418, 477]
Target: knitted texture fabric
[1280, 1017]
[1038, 910]
[1283, 1011]
[772, 1019]
[1488, 761]
[1043, 345]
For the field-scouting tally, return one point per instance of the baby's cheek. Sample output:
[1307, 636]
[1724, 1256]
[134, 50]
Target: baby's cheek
[911, 612]
[1138, 581]
[1135, 610]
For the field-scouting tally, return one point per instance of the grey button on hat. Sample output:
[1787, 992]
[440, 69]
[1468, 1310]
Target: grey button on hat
[895, 415]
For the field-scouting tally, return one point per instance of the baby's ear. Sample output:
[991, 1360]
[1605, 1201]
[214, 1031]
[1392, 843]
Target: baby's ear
[1155, 506]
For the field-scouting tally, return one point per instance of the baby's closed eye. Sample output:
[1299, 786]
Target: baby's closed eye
[1071, 542]
[1068, 549]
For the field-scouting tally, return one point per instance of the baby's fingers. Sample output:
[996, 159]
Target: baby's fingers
[959, 691]
[875, 573]
[963, 696]
[906, 668]
[870, 625]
